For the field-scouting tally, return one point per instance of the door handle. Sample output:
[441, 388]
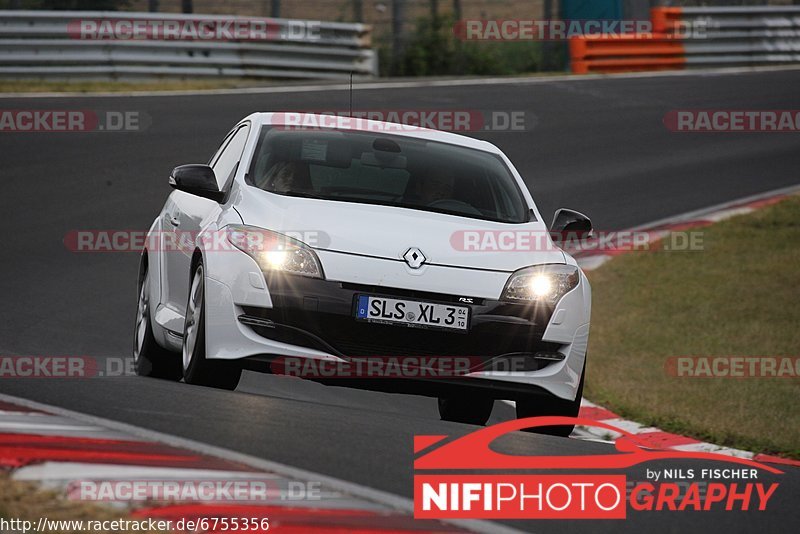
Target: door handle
[174, 220]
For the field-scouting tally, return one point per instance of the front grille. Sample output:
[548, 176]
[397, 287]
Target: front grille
[319, 314]
[387, 340]
[410, 293]
[351, 338]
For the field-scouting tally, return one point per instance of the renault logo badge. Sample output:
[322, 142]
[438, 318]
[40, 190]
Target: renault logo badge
[414, 258]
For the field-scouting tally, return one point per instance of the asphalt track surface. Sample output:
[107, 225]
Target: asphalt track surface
[598, 146]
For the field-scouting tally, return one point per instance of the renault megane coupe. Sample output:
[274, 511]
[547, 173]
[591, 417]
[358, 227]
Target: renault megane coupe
[328, 239]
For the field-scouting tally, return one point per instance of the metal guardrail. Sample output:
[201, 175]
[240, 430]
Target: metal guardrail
[697, 36]
[45, 44]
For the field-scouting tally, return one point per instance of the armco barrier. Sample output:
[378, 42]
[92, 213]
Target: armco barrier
[696, 36]
[43, 44]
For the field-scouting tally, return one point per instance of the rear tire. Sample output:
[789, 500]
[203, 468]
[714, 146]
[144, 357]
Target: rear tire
[150, 358]
[472, 410]
[197, 370]
[537, 406]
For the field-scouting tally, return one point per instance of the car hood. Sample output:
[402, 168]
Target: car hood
[389, 232]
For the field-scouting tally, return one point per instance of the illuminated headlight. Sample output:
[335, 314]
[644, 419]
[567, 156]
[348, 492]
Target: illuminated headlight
[542, 283]
[275, 252]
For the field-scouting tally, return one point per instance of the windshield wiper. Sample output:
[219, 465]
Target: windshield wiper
[302, 194]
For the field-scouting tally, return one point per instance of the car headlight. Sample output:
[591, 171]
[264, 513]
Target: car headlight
[275, 252]
[541, 283]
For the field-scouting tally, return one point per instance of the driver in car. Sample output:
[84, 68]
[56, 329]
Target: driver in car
[288, 176]
[435, 187]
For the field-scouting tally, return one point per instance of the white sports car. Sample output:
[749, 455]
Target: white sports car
[327, 239]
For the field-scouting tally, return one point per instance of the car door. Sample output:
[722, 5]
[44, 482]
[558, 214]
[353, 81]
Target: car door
[187, 214]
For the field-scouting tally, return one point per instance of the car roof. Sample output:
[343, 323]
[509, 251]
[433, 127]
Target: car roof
[361, 124]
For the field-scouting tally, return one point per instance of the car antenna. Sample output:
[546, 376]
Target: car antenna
[351, 94]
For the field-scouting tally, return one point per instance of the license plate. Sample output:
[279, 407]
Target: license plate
[412, 313]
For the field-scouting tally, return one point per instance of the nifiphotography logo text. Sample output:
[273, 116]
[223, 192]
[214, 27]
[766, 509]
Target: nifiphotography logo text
[599, 490]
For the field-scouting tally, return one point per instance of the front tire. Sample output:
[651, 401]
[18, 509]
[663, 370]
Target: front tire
[537, 406]
[197, 369]
[149, 358]
[472, 410]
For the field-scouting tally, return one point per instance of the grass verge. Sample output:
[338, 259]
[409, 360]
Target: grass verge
[27, 501]
[738, 296]
[42, 86]
[88, 86]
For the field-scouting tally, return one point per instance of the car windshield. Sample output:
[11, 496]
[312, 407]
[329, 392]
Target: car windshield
[390, 170]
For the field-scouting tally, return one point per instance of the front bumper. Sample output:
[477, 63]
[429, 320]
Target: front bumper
[513, 349]
[319, 314]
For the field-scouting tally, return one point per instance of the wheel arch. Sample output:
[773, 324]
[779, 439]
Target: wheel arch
[197, 257]
[149, 264]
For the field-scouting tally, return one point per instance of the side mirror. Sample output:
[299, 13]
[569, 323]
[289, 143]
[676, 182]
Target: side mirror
[197, 180]
[570, 223]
